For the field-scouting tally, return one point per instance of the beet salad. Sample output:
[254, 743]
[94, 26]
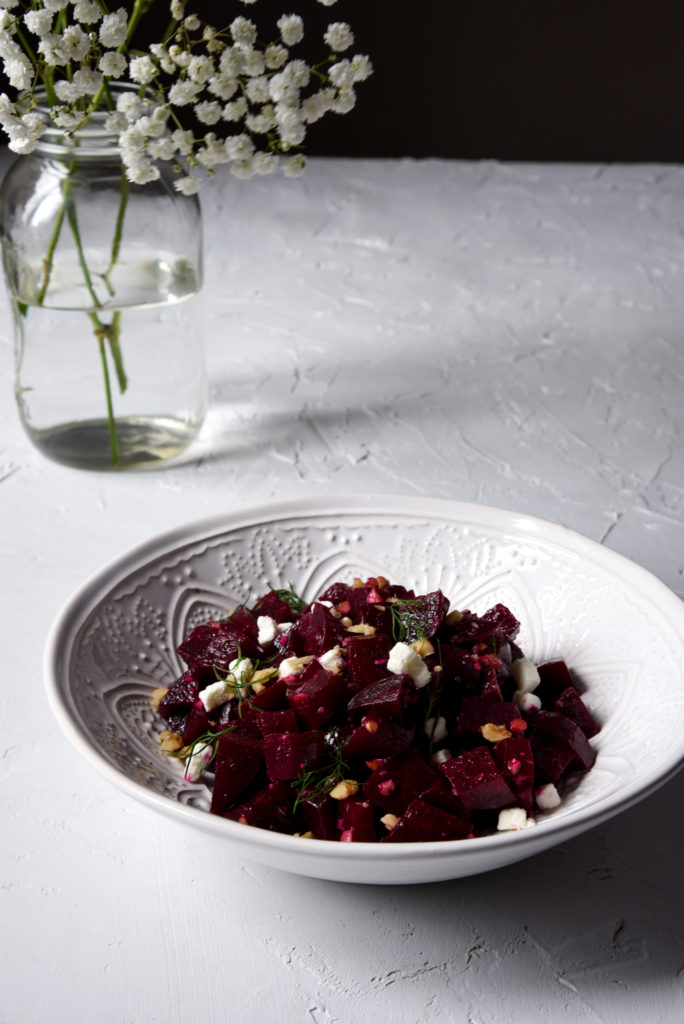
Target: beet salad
[373, 714]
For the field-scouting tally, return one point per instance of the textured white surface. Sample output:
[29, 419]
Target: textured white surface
[503, 334]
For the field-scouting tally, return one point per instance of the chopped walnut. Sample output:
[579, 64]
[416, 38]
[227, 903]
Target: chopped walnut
[422, 647]
[344, 789]
[170, 741]
[362, 627]
[158, 695]
[345, 621]
[389, 820]
[453, 618]
[357, 583]
[262, 675]
[382, 582]
[493, 733]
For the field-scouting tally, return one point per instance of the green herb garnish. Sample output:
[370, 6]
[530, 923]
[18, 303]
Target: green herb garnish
[408, 619]
[290, 596]
[319, 781]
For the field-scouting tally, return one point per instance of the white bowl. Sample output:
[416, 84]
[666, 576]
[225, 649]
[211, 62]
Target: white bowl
[617, 626]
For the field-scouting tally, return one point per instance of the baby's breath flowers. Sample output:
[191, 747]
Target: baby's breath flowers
[202, 96]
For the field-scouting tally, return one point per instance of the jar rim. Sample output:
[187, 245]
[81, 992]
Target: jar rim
[93, 139]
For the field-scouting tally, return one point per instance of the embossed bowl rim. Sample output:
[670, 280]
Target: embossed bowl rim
[370, 863]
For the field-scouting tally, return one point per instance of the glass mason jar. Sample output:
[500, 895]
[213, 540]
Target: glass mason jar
[103, 277]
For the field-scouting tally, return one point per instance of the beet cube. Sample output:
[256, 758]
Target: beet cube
[270, 808]
[515, 762]
[367, 658]
[289, 754]
[570, 703]
[477, 781]
[317, 631]
[422, 822]
[376, 738]
[565, 734]
[356, 821]
[272, 605]
[195, 724]
[398, 780]
[180, 697]
[238, 760]
[215, 645]
[554, 678]
[317, 695]
[550, 761]
[389, 695]
[320, 816]
[276, 721]
[478, 711]
[497, 625]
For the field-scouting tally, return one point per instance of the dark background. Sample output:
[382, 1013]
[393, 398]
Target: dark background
[563, 80]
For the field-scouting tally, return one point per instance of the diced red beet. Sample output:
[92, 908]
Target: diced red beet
[389, 695]
[554, 678]
[398, 780]
[317, 631]
[270, 808]
[461, 671]
[238, 760]
[565, 733]
[367, 658]
[215, 645]
[477, 781]
[317, 695]
[356, 821]
[440, 794]
[490, 683]
[550, 761]
[243, 623]
[515, 762]
[336, 593]
[276, 721]
[195, 724]
[497, 624]
[378, 737]
[320, 816]
[478, 711]
[180, 697]
[289, 754]
[272, 605]
[570, 703]
[422, 822]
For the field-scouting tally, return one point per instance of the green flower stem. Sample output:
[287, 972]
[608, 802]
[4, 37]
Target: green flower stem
[118, 231]
[72, 217]
[100, 333]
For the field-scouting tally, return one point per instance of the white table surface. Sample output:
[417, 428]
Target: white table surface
[511, 335]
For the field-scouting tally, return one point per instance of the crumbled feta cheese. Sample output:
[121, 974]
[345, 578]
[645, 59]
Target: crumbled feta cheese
[403, 659]
[332, 660]
[436, 729]
[241, 670]
[216, 694]
[527, 701]
[511, 819]
[547, 797]
[197, 762]
[293, 666]
[441, 756]
[268, 630]
[525, 675]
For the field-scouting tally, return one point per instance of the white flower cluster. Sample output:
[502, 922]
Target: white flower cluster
[255, 101]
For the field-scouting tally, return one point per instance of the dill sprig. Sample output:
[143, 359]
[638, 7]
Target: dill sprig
[318, 781]
[202, 741]
[290, 596]
[239, 686]
[408, 619]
